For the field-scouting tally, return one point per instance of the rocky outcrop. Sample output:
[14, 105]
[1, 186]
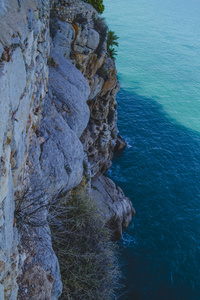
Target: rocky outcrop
[120, 144]
[58, 119]
[115, 207]
[99, 138]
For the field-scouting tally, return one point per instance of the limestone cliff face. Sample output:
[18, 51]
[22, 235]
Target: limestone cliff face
[79, 34]
[57, 113]
[24, 48]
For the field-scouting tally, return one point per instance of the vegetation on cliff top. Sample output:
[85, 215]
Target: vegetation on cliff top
[102, 28]
[105, 35]
[97, 4]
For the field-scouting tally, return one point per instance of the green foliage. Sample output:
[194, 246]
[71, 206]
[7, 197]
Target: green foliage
[97, 4]
[81, 241]
[112, 53]
[112, 41]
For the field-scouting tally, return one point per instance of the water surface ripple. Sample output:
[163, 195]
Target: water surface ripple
[160, 171]
[159, 116]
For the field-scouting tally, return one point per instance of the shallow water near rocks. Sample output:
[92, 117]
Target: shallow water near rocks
[159, 117]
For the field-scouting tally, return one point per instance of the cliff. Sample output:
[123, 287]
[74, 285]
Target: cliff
[58, 128]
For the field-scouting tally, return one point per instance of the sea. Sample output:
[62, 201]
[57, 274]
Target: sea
[158, 65]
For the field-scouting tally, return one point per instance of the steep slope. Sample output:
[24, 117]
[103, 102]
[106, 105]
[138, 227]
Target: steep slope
[53, 133]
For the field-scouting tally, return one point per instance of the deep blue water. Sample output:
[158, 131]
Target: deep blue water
[160, 171]
[159, 116]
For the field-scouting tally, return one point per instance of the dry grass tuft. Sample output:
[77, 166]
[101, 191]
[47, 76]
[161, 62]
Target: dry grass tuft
[87, 257]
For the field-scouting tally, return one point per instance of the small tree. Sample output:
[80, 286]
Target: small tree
[112, 41]
[97, 4]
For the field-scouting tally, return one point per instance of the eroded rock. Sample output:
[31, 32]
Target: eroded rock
[63, 34]
[120, 144]
[70, 91]
[117, 209]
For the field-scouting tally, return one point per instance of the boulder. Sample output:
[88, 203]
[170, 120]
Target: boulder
[120, 144]
[117, 209]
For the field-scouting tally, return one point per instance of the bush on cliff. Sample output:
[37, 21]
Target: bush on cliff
[87, 257]
[97, 4]
[112, 39]
[111, 42]
[105, 36]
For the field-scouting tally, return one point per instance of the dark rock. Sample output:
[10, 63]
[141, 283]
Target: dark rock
[120, 144]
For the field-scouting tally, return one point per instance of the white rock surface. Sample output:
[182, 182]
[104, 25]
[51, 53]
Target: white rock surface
[62, 153]
[3, 7]
[16, 83]
[115, 207]
[70, 91]
[64, 35]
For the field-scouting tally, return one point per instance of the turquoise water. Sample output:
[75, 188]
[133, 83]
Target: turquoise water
[159, 54]
[159, 116]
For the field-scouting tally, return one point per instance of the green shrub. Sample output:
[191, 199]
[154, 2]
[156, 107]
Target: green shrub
[112, 41]
[97, 4]
[112, 53]
[81, 241]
